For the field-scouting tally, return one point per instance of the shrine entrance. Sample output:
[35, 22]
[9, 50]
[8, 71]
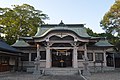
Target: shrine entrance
[62, 58]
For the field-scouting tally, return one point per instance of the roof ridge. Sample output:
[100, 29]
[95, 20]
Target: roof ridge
[65, 25]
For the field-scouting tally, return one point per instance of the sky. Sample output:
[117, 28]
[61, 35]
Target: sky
[88, 12]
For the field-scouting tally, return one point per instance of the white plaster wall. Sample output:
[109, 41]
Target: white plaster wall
[42, 49]
[31, 64]
[80, 63]
[43, 63]
[91, 63]
[27, 63]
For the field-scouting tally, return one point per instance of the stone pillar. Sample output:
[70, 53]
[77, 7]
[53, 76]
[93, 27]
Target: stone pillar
[29, 57]
[37, 61]
[105, 58]
[48, 56]
[75, 61]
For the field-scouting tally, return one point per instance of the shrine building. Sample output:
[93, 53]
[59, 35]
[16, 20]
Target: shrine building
[63, 46]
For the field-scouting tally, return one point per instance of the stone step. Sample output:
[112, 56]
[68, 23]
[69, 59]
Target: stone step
[57, 71]
[61, 71]
[61, 77]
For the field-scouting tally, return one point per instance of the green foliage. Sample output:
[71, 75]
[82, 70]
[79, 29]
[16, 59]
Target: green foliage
[111, 24]
[111, 20]
[105, 35]
[91, 33]
[112, 39]
[21, 20]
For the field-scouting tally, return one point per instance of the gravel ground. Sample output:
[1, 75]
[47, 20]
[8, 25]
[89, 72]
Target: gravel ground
[114, 75]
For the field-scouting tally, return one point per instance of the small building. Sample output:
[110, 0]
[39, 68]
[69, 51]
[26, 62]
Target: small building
[63, 45]
[8, 57]
[113, 59]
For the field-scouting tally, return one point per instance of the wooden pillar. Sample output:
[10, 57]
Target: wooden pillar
[114, 60]
[38, 50]
[85, 51]
[93, 56]
[29, 57]
[16, 63]
[75, 61]
[105, 58]
[48, 56]
[19, 64]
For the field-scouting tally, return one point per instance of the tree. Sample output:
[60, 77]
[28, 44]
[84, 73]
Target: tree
[111, 20]
[111, 24]
[21, 20]
[91, 33]
[112, 39]
[104, 35]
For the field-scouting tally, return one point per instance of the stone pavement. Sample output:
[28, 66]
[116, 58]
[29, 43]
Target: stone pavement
[18, 76]
[114, 75]
[30, 76]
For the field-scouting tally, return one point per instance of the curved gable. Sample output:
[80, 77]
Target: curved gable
[78, 30]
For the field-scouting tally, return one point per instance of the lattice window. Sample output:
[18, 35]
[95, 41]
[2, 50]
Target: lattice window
[80, 55]
[99, 57]
[90, 56]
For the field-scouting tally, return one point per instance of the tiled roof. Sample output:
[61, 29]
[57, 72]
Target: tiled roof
[20, 43]
[80, 30]
[5, 47]
[104, 43]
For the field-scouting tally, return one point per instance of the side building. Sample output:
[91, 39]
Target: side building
[63, 45]
[9, 57]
